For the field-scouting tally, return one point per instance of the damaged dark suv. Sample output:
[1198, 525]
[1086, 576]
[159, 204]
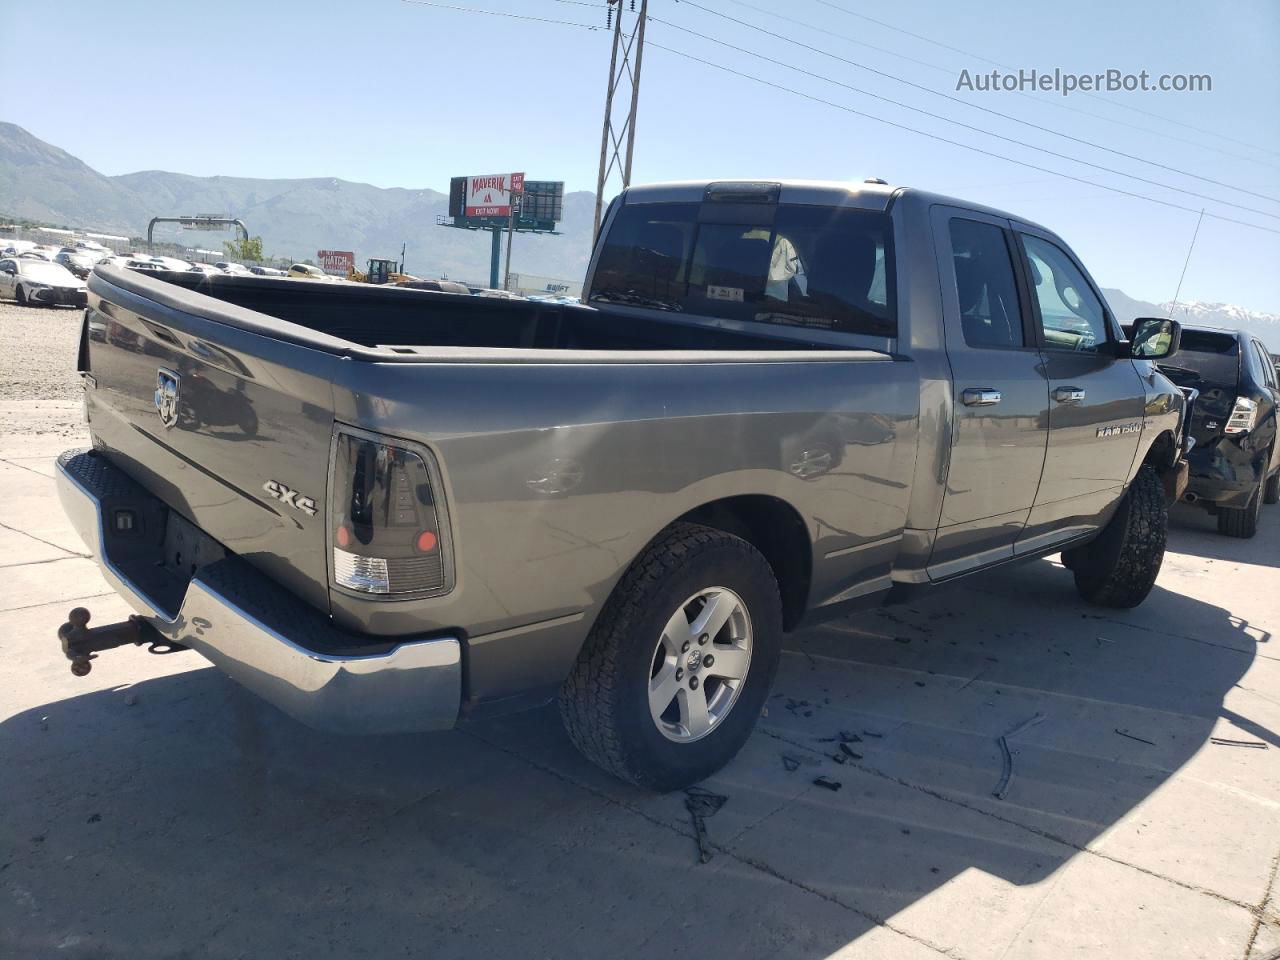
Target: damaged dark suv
[1235, 464]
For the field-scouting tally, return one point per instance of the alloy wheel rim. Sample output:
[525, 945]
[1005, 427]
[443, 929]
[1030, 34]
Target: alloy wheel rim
[699, 664]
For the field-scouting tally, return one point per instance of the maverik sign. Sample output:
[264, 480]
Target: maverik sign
[340, 263]
[491, 196]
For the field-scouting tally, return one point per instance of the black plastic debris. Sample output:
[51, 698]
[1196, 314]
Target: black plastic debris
[1225, 742]
[1126, 733]
[832, 785]
[1006, 756]
[790, 764]
[702, 803]
[848, 752]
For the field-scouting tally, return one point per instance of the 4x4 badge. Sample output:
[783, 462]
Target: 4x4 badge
[166, 396]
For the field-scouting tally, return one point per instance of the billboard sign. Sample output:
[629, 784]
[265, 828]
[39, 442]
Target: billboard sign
[491, 196]
[340, 263]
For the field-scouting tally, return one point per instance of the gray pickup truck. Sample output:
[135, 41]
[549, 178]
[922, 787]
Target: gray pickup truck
[392, 510]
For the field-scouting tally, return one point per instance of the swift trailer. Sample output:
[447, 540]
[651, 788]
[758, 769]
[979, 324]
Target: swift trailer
[778, 401]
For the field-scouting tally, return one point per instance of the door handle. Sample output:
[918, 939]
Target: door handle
[1068, 395]
[980, 397]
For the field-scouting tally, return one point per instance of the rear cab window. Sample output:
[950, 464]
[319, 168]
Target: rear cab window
[1205, 357]
[820, 267]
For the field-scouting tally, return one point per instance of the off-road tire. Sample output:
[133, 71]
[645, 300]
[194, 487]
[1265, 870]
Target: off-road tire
[1119, 568]
[604, 700]
[1271, 492]
[1242, 522]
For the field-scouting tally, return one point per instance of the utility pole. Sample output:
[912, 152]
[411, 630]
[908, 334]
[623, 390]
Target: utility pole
[617, 140]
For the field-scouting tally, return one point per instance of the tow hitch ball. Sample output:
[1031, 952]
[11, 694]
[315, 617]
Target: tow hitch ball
[81, 643]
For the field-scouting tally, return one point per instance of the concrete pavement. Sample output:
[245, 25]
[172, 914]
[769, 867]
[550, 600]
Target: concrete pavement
[153, 809]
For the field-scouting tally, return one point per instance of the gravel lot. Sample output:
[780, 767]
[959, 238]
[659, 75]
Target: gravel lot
[154, 809]
[39, 388]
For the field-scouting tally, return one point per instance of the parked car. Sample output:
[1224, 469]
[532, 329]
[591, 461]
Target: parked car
[36, 254]
[14, 248]
[260, 271]
[204, 268]
[439, 286]
[78, 264]
[780, 402]
[305, 271]
[40, 283]
[227, 266]
[1235, 464]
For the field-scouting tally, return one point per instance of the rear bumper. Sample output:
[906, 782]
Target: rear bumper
[1223, 473]
[261, 635]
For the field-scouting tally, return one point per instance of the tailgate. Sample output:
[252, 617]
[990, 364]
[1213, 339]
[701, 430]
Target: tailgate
[229, 426]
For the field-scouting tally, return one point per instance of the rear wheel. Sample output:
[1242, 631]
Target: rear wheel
[1242, 522]
[676, 670]
[1119, 568]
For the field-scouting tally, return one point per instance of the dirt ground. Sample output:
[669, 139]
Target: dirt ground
[154, 809]
[39, 388]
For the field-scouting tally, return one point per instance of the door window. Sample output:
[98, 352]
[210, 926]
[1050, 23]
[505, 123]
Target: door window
[1071, 315]
[1268, 365]
[985, 285]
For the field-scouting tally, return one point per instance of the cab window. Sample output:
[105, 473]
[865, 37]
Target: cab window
[985, 285]
[1071, 315]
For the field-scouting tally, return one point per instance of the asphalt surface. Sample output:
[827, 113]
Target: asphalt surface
[153, 809]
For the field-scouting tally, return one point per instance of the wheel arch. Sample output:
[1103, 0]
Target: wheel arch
[1162, 453]
[778, 531]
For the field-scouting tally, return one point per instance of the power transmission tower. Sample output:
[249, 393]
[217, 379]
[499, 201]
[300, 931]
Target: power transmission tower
[617, 140]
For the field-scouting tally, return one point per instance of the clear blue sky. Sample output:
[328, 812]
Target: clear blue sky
[398, 94]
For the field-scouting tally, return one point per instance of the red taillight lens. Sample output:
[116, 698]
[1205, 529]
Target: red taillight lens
[387, 522]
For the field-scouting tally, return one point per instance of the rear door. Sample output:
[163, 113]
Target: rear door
[1096, 401]
[1000, 412]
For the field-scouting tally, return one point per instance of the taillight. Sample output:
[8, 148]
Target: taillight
[388, 533]
[1243, 415]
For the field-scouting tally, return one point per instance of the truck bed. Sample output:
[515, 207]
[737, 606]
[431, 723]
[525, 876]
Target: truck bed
[401, 319]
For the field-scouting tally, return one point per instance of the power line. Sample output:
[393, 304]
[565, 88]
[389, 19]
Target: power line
[870, 116]
[997, 63]
[502, 13]
[964, 102]
[955, 143]
[1058, 104]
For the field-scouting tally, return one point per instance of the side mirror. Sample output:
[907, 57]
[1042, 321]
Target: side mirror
[1153, 338]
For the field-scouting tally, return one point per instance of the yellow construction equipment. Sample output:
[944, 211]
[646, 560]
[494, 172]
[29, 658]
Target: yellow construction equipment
[381, 270]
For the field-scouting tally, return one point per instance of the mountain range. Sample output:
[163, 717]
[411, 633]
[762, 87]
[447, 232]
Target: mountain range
[295, 218]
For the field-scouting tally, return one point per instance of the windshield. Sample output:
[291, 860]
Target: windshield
[41, 271]
[1204, 357]
[812, 266]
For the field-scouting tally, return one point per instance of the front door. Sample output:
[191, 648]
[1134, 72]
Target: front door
[1096, 401]
[1000, 401]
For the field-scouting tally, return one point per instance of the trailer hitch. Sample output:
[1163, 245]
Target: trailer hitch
[82, 643]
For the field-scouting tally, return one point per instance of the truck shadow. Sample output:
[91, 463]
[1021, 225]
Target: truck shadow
[195, 820]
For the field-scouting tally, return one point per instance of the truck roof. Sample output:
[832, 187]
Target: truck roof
[867, 195]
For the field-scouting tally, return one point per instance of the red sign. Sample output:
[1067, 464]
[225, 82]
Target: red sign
[340, 263]
[491, 196]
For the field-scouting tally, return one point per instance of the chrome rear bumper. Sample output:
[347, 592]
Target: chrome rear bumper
[261, 635]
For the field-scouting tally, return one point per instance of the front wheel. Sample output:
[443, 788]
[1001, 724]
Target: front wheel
[1119, 567]
[22, 296]
[670, 682]
[1271, 492]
